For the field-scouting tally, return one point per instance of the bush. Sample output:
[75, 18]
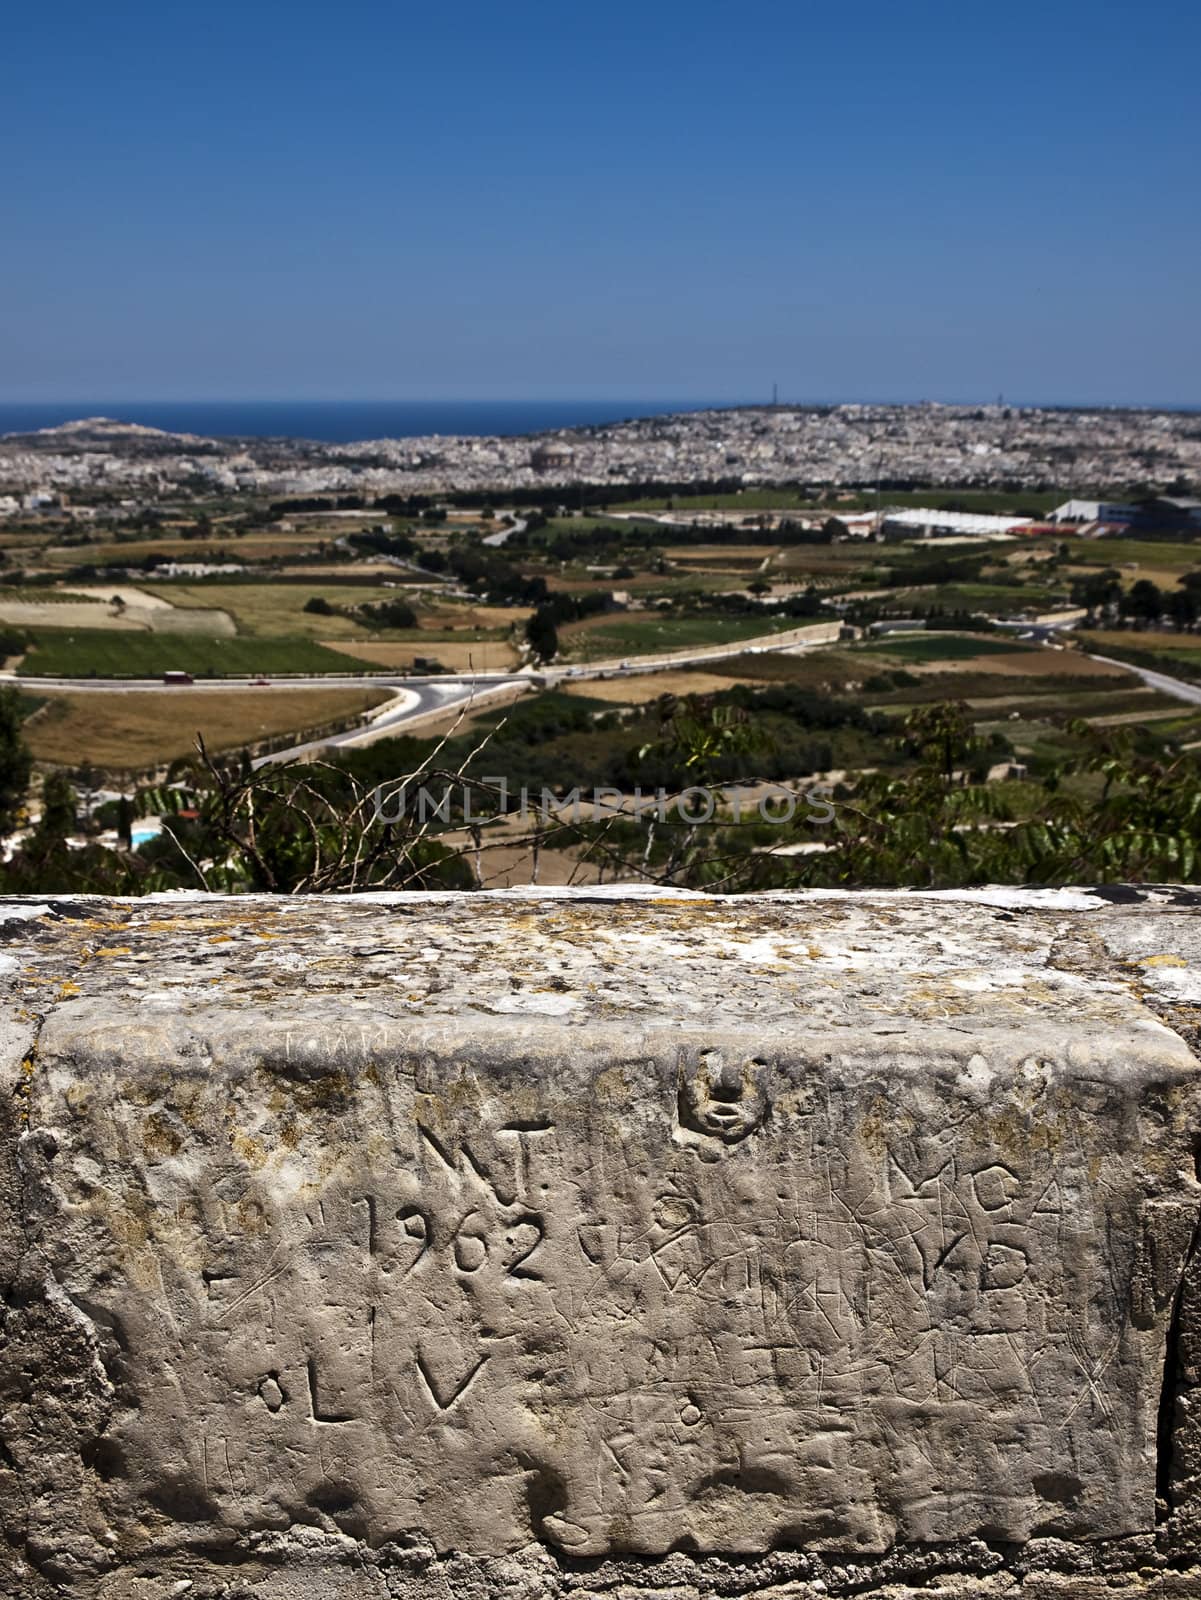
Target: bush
[387, 614]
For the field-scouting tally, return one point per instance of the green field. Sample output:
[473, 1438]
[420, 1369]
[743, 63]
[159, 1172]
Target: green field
[944, 647]
[648, 636]
[1156, 553]
[991, 597]
[740, 501]
[276, 610]
[96, 653]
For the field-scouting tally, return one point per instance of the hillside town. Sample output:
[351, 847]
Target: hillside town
[99, 463]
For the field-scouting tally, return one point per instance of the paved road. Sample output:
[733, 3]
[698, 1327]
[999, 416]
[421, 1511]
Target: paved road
[416, 697]
[1156, 680]
[498, 538]
[410, 704]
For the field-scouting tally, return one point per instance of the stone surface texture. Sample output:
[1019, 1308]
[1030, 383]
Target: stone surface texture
[601, 1243]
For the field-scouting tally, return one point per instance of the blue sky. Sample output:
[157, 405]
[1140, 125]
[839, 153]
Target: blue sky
[907, 200]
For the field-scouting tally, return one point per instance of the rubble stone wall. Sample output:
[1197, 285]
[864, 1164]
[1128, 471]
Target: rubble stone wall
[615, 1243]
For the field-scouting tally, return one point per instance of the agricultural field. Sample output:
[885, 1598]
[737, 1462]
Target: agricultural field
[1162, 561]
[835, 561]
[924, 647]
[246, 548]
[599, 638]
[456, 654]
[130, 731]
[993, 598]
[1149, 640]
[275, 610]
[1173, 653]
[90, 608]
[721, 555]
[741, 502]
[650, 686]
[84, 653]
[738, 502]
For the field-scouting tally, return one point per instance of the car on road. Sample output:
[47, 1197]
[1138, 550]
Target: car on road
[260, 683]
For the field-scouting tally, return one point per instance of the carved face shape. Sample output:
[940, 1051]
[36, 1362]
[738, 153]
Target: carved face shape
[722, 1099]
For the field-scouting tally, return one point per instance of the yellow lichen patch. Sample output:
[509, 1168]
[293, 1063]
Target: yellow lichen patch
[68, 988]
[1162, 961]
[251, 1151]
[159, 1138]
[113, 950]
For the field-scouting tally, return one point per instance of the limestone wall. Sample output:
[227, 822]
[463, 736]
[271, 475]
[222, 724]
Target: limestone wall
[607, 1243]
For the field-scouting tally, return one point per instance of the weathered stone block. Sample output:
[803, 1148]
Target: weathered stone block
[827, 1224]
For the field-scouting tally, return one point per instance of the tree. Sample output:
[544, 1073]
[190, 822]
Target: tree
[944, 732]
[16, 763]
[125, 823]
[1096, 590]
[387, 614]
[58, 811]
[318, 607]
[542, 635]
[1182, 608]
[1144, 602]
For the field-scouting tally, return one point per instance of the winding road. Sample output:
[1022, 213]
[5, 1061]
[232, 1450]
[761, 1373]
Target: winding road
[417, 699]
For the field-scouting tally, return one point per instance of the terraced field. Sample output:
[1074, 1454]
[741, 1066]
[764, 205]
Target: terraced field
[94, 653]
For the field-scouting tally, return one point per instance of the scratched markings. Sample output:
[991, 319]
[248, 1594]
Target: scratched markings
[676, 1292]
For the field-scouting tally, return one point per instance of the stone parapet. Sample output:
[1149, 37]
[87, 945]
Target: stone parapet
[601, 1243]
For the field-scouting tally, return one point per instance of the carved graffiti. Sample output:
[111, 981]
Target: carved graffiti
[726, 1306]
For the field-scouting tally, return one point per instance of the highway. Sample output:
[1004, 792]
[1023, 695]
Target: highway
[1191, 692]
[416, 699]
[411, 705]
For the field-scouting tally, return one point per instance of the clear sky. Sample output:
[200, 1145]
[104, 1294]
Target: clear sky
[666, 199]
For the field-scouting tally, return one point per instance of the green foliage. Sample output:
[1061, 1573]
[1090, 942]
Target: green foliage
[386, 614]
[15, 761]
[918, 830]
[542, 635]
[703, 733]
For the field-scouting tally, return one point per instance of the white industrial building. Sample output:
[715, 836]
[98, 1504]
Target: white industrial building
[1094, 511]
[920, 523]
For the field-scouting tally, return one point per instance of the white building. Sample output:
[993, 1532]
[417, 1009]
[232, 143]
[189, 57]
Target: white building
[920, 523]
[1093, 511]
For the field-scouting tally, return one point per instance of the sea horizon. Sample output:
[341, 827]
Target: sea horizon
[348, 421]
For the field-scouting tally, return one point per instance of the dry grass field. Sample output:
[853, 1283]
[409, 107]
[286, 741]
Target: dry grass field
[637, 691]
[457, 655]
[127, 552]
[130, 731]
[1101, 640]
[141, 616]
[1027, 664]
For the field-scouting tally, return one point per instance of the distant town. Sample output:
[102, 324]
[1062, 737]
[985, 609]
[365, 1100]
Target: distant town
[94, 465]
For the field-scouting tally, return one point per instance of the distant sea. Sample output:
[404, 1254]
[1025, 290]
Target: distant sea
[341, 421]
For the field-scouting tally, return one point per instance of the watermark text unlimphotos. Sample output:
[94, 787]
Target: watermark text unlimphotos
[464, 803]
